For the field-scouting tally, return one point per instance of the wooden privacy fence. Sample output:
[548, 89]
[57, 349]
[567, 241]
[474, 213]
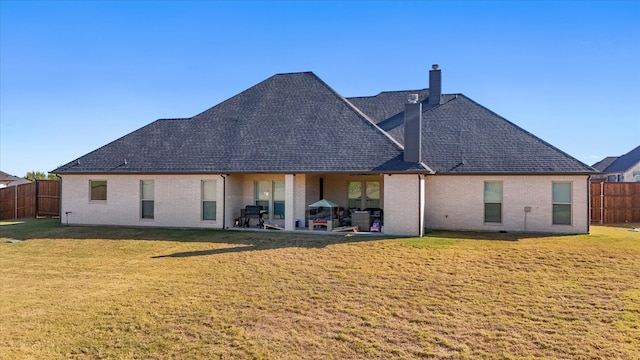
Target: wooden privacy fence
[615, 203]
[39, 198]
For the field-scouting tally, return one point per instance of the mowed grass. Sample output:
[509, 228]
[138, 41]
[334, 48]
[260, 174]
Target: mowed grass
[130, 293]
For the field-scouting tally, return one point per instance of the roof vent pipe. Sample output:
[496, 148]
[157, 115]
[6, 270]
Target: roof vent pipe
[435, 85]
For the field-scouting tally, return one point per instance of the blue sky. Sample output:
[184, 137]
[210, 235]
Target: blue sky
[76, 75]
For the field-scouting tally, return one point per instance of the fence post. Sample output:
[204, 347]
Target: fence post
[36, 199]
[601, 202]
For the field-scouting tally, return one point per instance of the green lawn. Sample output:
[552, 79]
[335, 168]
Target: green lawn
[130, 293]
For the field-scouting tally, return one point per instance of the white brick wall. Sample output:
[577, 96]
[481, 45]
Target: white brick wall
[177, 201]
[451, 202]
[402, 205]
[457, 203]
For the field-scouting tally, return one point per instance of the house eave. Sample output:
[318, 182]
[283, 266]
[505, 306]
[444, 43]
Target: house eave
[244, 172]
[514, 173]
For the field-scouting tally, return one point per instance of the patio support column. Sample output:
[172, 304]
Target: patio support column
[289, 202]
[404, 204]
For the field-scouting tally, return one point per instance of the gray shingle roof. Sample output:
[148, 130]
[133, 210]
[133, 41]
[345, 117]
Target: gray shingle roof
[295, 123]
[461, 136]
[11, 180]
[6, 177]
[287, 123]
[386, 104]
[621, 163]
[604, 163]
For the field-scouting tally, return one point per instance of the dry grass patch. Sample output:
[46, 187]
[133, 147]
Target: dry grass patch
[123, 293]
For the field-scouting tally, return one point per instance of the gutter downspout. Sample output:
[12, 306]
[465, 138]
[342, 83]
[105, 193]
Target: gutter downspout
[224, 201]
[589, 204]
[60, 201]
[421, 204]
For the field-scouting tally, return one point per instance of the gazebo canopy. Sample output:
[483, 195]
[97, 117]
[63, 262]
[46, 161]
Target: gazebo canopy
[324, 203]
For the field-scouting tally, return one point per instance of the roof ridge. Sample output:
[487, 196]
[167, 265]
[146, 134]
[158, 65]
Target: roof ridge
[429, 108]
[386, 92]
[251, 87]
[368, 119]
[292, 73]
[425, 109]
[360, 113]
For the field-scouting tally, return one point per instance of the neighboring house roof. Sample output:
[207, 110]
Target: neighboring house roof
[10, 180]
[5, 177]
[604, 163]
[295, 123]
[619, 164]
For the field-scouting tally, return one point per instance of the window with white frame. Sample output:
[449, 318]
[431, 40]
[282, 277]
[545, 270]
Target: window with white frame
[561, 203]
[493, 201]
[97, 190]
[209, 188]
[146, 199]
